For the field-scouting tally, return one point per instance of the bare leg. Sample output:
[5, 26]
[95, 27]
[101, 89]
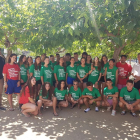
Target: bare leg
[10, 100]
[54, 105]
[122, 106]
[39, 103]
[114, 103]
[80, 102]
[86, 102]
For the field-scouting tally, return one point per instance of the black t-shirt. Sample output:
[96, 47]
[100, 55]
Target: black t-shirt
[2, 62]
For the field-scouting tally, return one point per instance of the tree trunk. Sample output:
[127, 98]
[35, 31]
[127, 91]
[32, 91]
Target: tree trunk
[9, 52]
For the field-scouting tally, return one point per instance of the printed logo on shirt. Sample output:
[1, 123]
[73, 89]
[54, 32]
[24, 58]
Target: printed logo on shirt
[61, 72]
[12, 72]
[82, 73]
[59, 96]
[48, 74]
[36, 73]
[74, 95]
[72, 73]
[122, 72]
[110, 76]
[89, 94]
[94, 73]
[127, 97]
[23, 71]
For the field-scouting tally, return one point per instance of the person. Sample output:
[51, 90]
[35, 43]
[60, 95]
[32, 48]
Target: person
[82, 74]
[84, 55]
[71, 73]
[46, 97]
[129, 98]
[2, 63]
[136, 73]
[11, 73]
[91, 95]
[89, 61]
[57, 58]
[23, 70]
[74, 95]
[61, 94]
[104, 64]
[29, 61]
[43, 58]
[67, 59]
[52, 62]
[77, 62]
[110, 96]
[35, 72]
[124, 71]
[95, 72]
[27, 103]
[59, 72]
[111, 72]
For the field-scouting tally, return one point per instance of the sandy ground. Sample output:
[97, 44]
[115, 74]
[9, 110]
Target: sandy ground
[71, 124]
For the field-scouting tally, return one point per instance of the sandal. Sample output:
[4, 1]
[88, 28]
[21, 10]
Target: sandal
[55, 114]
[123, 112]
[11, 109]
[133, 114]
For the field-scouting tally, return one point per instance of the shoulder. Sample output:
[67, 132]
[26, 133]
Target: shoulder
[105, 88]
[71, 87]
[135, 90]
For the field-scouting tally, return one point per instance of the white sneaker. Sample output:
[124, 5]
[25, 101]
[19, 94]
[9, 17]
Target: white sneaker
[109, 108]
[96, 109]
[86, 110]
[113, 113]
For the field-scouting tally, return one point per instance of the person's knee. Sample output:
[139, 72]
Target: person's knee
[39, 102]
[98, 103]
[121, 104]
[85, 100]
[103, 103]
[81, 101]
[66, 105]
[114, 100]
[139, 106]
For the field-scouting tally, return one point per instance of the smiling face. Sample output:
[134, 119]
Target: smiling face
[104, 59]
[30, 60]
[75, 56]
[61, 61]
[109, 83]
[96, 59]
[88, 58]
[47, 87]
[13, 58]
[72, 61]
[111, 63]
[83, 61]
[75, 84]
[24, 59]
[90, 88]
[33, 81]
[62, 84]
[47, 61]
[38, 60]
[129, 86]
[123, 59]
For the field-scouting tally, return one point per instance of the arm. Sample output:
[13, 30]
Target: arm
[42, 80]
[31, 74]
[18, 83]
[97, 99]
[86, 96]
[114, 95]
[105, 74]
[136, 103]
[31, 100]
[66, 77]
[122, 100]
[78, 76]
[40, 98]
[85, 76]
[5, 81]
[55, 78]
[116, 77]
[99, 77]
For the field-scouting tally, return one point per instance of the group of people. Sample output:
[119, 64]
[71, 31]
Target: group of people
[66, 80]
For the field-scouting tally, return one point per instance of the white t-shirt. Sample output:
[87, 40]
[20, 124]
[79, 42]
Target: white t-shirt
[136, 69]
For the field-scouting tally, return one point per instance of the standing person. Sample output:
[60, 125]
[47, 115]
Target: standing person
[110, 96]
[71, 73]
[61, 94]
[77, 62]
[124, 71]
[129, 98]
[59, 72]
[29, 61]
[52, 62]
[43, 58]
[82, 73]
[89, 61]
[84, 54]
[67, 58]
[46, 97]
[57, 58]
[91, 95]
[11, 73]
[27, 103]
[104, 64]
[2, 62]
[136, 73]
[23, 69]
[111, 72]
[35, 72]
[95, 72]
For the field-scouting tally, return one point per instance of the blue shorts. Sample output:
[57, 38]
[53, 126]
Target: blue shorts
[12, 87]
[70, 81]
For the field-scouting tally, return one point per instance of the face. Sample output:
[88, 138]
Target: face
[61, 60]
[47, 61]
[129, 86]
[109, 83]
[52, 58]
[30, 60]
[38, 60]
[76, 56]
[62, 84]
[84, 56]
[47, 86]
[43, 56]
[82, 61]
[24, 59]
[104, 59]
[33, 81]
[72, 61]
[90, 88]
[123, 59]
[138, 57]
[96, 60]
[75, 84]
[88, 57]
[13, 58]
[111, 63]
[57, 57]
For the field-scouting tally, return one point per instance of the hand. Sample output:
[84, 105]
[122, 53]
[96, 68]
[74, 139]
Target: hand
[131, 107]
[123, 77]
[21, 81]
[90, 97]
[107, 97]
[128, 106]
[42, 83]
[66, 83]
[136, 80]
[81, 80]
[18, 83]
[57, 82]
[92, 68]
[5, 85]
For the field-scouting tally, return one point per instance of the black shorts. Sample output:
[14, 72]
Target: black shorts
[58, 101]
[137, 85]
[38, 82]
[84, 80]
[102, 79]
[54, 83]
[22, 84]
[20, 105]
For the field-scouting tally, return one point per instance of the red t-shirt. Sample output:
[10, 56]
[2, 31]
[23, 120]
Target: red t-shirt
[123, 71]
[24, 96]
[11, 71]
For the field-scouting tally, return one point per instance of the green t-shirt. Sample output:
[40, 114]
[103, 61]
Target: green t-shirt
[67, 63]
[103, 69]
[71, 71]
[44, 97]
[75, 94]
[23, 73]
[42, 63]
[77, 63]
[110, 91]
[93, 77]
[129, 96]
[47, 74]
[111, 74]
[60, 95]
[53, 64]
[60, 72]
[88, 64]
[94, 93]
[82, 71]
[36, 73]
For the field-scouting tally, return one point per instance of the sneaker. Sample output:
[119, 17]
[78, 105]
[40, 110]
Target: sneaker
[133, 114]
[113, 113]
[109, 108]
[123, 112]
[2, 108]
[86, 110]
[96, 109]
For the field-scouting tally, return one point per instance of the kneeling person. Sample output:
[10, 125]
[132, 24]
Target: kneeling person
[75, 94]
[91, 95]
[129, 97]
[110, 96]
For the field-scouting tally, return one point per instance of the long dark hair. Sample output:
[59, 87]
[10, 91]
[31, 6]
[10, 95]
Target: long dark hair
[99, 63]
[9, 59]
[20, 62]
[102, 62]
[59, 85]
[32, 90]
[90, 59]
[27, 60]
[63, 62]
[81, 59]
[36, 68]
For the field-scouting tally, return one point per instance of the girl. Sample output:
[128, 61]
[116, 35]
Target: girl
[59, 72]
[46, 97]
[35, 71]
[82, 73]
[29, 61]
[43, 58]
[71, 73]
[23, 69]
[89, 61]
[104, 64]
[11, 73]
[27, 104]
[95, 72]
[61, 94]
[84, 54]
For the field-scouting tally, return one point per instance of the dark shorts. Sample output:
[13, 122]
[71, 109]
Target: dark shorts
[137, 85]
[130, 102]
[54, 83]
[70, 81]
[20, 105]
[38, 82]
[84, 80]
[102, 79]
[58, 101]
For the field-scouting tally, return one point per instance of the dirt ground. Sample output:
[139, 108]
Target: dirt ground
[71, 124]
